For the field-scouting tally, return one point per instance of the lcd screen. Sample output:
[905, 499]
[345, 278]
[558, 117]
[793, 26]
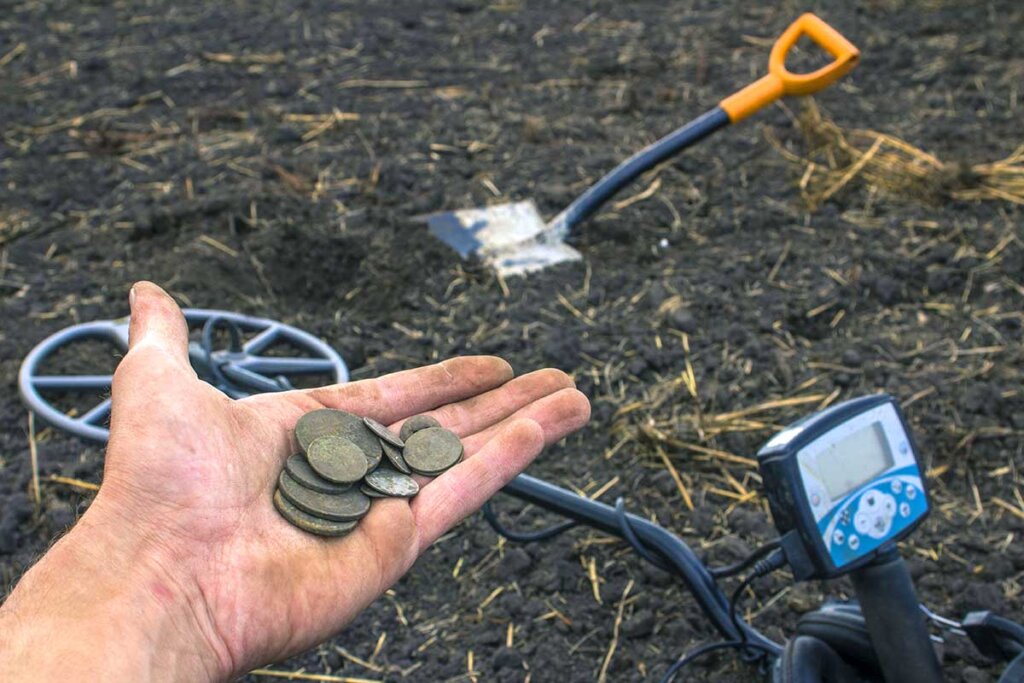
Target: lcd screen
[849, 463]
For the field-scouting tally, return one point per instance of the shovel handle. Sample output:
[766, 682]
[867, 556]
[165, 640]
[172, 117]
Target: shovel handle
[780, 81]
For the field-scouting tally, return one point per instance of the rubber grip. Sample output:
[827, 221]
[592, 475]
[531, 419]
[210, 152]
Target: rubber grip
[780, 81]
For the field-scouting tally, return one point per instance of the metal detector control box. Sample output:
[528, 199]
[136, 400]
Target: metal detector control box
[843, 484]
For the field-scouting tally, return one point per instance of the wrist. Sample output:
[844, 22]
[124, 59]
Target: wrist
[102, 600]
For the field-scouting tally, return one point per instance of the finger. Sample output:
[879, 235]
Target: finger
[156, 321]
[480, 412]
[464, 488]
[558, 414]
[157, 358]
[401, 394]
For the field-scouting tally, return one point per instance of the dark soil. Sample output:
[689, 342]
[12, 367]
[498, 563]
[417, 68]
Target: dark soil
[134, 133]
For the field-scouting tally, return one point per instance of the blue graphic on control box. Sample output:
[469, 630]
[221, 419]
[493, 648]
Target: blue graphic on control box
[871, 516]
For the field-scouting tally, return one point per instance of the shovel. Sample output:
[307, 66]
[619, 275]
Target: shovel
[514, 239]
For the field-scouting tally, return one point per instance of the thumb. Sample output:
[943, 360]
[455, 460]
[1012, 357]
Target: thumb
[156, 322]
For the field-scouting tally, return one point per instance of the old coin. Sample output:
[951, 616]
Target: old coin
[392, 483]
[337, 459]
[415, 424]
[339, 507]
[299, 468]
[383, 433]
[320, 423]
[432, 451]
[373, 461]
[340, 423]
[308, 522]
[356, 431]
[372, 493]
[394, 456]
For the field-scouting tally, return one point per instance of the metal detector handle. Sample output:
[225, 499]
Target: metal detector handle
[780, 81]
[895, 622]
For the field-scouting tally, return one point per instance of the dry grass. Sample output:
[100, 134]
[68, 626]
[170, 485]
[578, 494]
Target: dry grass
[838, 158]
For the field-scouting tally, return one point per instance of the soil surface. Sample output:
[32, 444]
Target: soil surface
[271, 158]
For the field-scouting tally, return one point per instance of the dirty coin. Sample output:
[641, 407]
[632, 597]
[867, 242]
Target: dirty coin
[337, 459]
[310, 523]
[432, 450]
[340, 507]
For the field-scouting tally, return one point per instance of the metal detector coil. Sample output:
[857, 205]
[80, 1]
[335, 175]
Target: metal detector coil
[238, 371]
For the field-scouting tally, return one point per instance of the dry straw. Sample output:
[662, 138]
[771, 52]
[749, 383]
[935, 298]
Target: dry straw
[836, 158]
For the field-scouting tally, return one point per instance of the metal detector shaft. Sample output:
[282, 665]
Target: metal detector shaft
[668, 546]
[895, 622]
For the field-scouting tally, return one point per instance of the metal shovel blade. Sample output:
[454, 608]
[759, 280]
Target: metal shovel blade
[511, 238]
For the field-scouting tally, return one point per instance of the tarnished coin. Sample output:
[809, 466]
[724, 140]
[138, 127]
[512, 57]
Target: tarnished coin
[394, 456]
[392, 483]
[340, 423]
[337, 459]
[415, 424]
[320, 423]
[299, 468]
[357, 432]
[372, 493]
[432, 451]
[339, 507]
[383, 433]
[308, 522]
[373, 461]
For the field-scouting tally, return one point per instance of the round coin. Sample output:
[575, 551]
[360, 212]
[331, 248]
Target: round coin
[319, 423]
[299, 468]
[373, 462]
[337, 459]
[394, 456]
[372, 493]
[307, 522]
[392, 483]
[432, 450]
[383, 433]
[356, 431]
[415, 424]
[339, 507]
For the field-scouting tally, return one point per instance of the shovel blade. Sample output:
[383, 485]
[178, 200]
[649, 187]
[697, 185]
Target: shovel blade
[511, 238]
[473, 231]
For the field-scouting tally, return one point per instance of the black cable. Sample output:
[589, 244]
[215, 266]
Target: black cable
[673, 550]
[776, 560]
[627, 532]
[689, 657]
[520, 536]
[737, 567]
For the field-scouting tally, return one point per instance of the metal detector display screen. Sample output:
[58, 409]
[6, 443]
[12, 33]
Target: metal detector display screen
[859, 458]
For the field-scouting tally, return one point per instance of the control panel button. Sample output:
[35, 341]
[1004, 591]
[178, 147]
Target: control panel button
[839, 537]
[904, 509]
[889, 506]
[911, 492]
[853, 542]
[896, 486]
[880, 526]
[869, 501]
[862, 522]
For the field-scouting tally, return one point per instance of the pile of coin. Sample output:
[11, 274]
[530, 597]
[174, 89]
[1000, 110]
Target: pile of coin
[347, 461]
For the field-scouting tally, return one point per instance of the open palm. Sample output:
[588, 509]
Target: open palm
[195, 471]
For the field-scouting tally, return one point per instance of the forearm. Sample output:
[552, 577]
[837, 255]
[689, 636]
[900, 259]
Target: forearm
[94, 608]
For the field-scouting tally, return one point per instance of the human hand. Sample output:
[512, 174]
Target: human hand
[181, 569]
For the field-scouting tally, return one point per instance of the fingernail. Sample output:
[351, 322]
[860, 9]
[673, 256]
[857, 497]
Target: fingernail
[131, 297]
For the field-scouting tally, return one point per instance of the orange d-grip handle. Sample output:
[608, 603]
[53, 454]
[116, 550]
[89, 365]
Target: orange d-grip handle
[780, 81]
